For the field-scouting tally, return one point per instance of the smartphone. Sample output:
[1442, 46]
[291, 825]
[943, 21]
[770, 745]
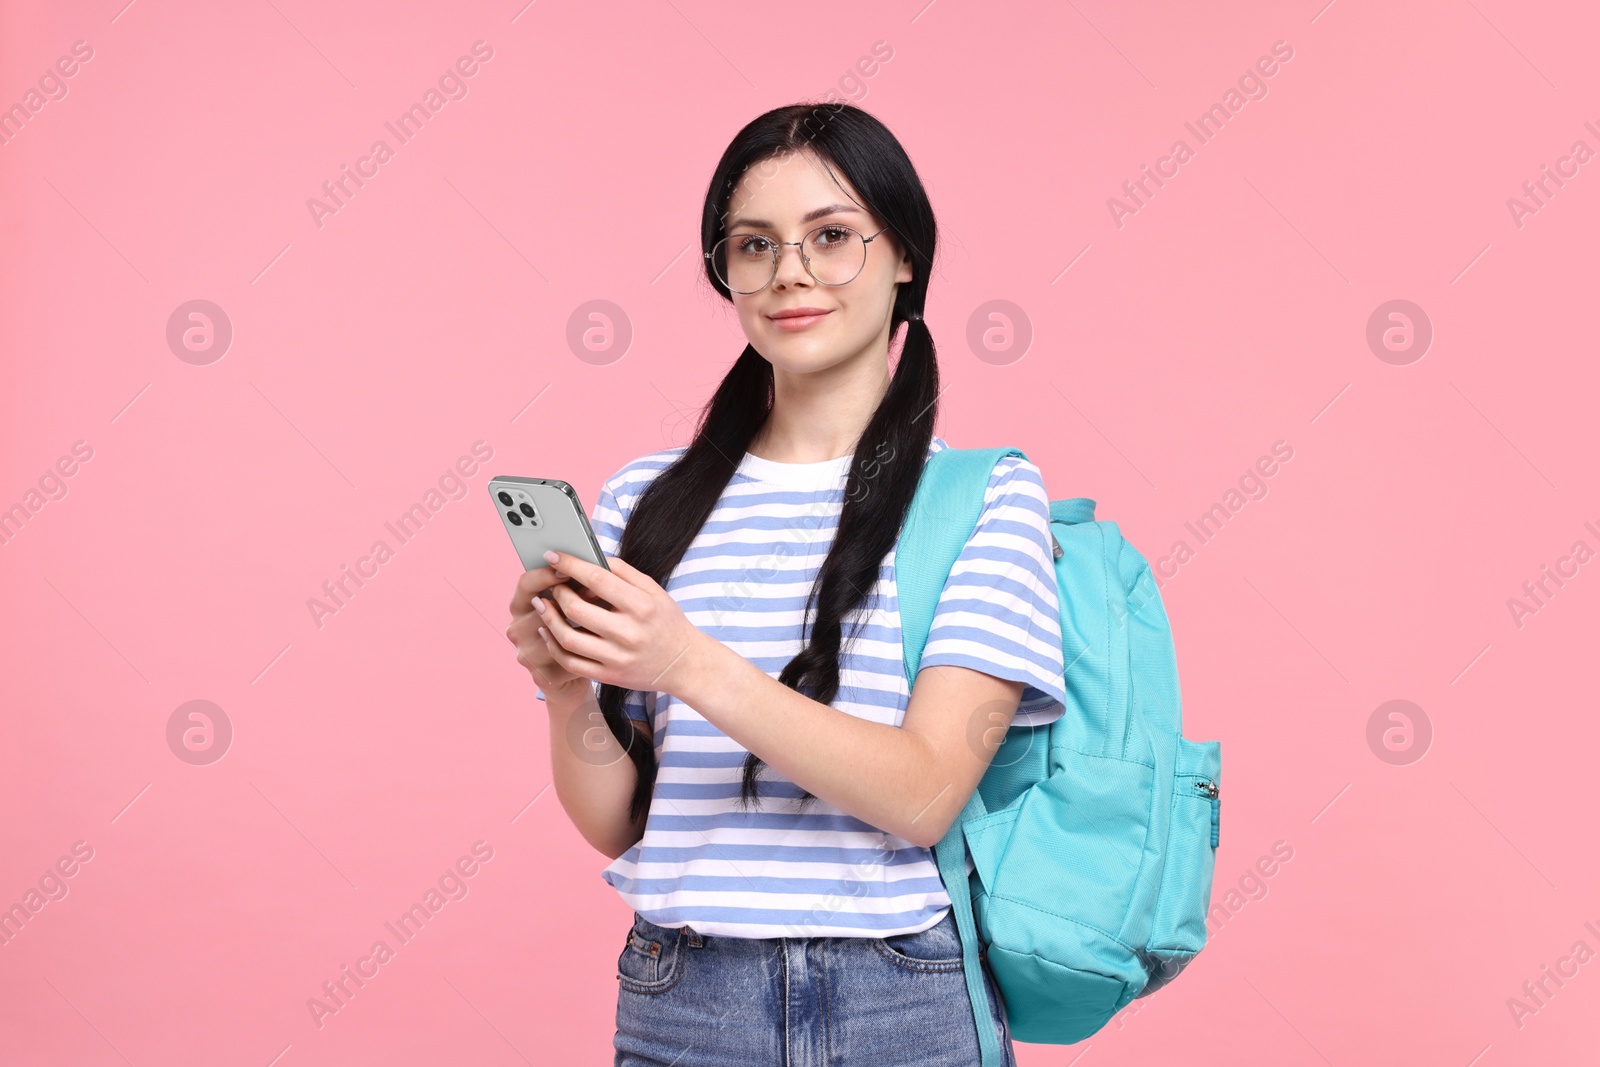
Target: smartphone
[542, 514]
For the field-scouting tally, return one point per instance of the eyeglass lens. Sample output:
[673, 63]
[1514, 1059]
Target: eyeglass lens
[746, 264]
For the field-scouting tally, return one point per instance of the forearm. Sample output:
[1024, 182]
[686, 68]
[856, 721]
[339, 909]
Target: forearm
[594, 777]
[882, 775]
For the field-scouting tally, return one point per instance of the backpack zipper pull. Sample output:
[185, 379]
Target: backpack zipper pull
[1209, 788]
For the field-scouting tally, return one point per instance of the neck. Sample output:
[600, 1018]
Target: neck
[820, 415]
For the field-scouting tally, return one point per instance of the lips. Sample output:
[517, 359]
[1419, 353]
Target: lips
[798, 318]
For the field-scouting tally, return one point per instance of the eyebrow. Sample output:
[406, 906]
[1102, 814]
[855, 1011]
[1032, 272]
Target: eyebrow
[810, 216]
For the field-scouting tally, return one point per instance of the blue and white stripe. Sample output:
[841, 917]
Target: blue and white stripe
[773, 871]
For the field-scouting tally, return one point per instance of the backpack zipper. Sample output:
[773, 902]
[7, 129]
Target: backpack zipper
[1209, 788]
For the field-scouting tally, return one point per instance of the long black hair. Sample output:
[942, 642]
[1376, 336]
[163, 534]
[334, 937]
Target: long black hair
[889, 454]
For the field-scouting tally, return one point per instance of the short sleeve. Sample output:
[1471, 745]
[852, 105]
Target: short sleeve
[634, 707]
[1000, 612]
[607, 521]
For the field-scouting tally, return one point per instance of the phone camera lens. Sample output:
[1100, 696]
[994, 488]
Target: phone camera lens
[505, 498]
[527, 509]
[516, 520]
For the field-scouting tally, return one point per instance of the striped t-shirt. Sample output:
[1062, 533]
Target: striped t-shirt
[772, 870]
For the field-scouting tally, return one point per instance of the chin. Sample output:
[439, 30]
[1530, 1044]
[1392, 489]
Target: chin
[789, 354]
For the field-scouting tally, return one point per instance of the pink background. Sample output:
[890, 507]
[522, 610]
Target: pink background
[370, 753]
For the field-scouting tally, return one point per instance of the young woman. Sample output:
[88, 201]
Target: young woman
[749, 623]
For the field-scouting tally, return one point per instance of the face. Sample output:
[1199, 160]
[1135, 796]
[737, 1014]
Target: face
[783, 199]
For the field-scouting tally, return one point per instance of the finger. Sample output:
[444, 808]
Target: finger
[570, 648]
[533, 583]
[635, 577]
[569, 637]
[584, 591]
[631, 574]
[587, 614]
[622, 566]
[533, 649]
[520, 630]
[558, 655]
[606, 583]
[590, 596]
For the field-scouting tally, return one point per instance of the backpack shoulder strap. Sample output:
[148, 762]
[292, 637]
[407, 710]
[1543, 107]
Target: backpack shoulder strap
[943, 514]
[1072, 512]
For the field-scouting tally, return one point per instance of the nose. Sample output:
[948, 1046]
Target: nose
[791, 270]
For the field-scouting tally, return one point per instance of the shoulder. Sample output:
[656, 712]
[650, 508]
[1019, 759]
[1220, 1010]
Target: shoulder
[1015, 518]
[1016, 509]
[1014, 481]
[630, 481]
[622, 491]
[1018, 475]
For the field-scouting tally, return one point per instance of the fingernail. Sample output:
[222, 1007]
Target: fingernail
[551, 556]
[538, 604]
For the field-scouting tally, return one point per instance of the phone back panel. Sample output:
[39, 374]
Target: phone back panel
[548, 516]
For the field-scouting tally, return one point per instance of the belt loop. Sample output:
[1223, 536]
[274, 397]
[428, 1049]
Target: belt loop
[695, 940]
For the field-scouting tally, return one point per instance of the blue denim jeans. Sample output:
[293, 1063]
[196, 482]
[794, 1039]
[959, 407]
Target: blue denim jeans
[688, 999]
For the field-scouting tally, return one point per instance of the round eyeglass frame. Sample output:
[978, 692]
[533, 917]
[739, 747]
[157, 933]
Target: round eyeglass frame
[777, 251]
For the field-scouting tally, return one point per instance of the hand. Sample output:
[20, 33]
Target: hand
[533, 651]
[634, 634]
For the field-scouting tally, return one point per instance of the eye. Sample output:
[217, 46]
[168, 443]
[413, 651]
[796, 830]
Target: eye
[752, 244]
[832, 236]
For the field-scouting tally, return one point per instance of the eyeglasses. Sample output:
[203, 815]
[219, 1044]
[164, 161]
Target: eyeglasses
[747, 262]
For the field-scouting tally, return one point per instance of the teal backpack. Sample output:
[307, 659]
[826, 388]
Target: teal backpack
[1093, 839]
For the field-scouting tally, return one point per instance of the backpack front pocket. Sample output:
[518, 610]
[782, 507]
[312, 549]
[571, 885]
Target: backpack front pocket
[1178, 930]
[1095, 809]
[1059, 868]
